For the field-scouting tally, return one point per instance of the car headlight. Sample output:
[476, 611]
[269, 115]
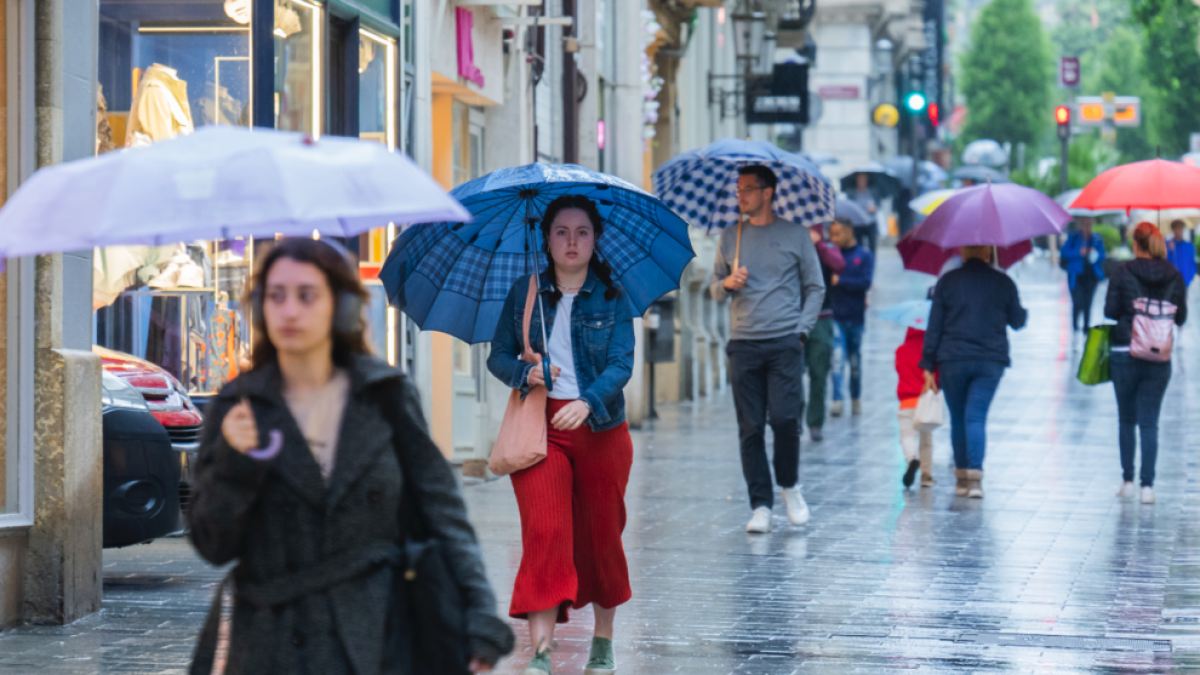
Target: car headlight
[118, 393]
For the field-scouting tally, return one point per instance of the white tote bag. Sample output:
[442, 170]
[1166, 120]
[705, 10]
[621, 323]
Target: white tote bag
[931, 411]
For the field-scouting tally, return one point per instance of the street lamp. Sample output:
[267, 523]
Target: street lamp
[748, 30]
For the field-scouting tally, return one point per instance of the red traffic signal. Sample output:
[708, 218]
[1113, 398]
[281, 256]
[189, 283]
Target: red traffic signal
[933, 114]
[1062, 115]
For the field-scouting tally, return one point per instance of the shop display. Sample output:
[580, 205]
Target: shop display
[160, 108]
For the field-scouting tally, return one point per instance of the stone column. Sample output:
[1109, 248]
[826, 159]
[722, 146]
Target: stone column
[63, 564]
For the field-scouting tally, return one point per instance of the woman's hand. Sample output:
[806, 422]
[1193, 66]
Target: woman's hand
[930, 383]
[571, 417]
[478, 666]
[538, 378]
[239, 428]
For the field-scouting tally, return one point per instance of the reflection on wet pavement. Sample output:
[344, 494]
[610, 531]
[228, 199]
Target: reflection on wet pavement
[881, 580]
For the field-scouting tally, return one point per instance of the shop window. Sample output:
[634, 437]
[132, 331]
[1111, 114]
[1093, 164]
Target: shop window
[377, 88]
[298, 73]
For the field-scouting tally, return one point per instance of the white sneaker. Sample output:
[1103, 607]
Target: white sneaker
[761, 522]
[797, 510]
[835, 410]
[1127, 490]
[1147, 495]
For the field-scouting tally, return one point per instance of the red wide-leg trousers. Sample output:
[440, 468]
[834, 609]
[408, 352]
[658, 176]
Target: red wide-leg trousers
[572, 514]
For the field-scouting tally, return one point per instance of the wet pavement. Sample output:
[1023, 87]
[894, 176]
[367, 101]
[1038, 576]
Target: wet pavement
[881, 580]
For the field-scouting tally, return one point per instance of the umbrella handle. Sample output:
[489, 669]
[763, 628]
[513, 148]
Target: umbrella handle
[737, 249]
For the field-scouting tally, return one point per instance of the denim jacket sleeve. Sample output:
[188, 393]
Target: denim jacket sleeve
[619, 362]
[505, 359]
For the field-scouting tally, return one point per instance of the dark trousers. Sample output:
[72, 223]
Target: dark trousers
[969, 387]
[1081, 300]
[1140, 386]
[766, 379]
[866, 235]
[851, 342]
[818, 358]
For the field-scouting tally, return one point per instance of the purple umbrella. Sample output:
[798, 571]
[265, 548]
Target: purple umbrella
[992, 215]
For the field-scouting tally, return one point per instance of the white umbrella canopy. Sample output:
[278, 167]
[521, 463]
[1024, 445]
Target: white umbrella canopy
[221, 182]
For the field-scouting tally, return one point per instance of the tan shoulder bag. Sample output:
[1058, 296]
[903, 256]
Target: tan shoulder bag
[522, 439]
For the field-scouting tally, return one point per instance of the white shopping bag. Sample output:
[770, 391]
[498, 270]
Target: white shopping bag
[931, 411]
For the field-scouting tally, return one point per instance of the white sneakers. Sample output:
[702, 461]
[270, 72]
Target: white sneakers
[835, 410]
[1128, 490]
[760, 523]
[797, 509]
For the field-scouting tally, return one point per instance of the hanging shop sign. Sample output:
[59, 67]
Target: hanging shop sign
[779, 98]
[886, 115]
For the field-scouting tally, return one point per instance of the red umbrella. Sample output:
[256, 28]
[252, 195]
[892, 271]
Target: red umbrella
[922, 256]
[1152, 184]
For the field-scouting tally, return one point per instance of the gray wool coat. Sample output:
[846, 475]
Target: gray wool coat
[313, 581]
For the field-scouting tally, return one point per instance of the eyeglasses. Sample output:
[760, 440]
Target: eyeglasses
[742, 191]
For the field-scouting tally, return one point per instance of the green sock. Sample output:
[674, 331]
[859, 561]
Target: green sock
[602, 654]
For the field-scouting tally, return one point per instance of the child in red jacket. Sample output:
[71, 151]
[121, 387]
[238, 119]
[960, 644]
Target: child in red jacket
[912, 380]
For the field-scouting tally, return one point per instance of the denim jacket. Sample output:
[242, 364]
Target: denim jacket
[601, 343]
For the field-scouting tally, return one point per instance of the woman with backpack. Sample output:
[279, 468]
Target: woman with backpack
[572, 502]
[1147, 298]
[315, 470]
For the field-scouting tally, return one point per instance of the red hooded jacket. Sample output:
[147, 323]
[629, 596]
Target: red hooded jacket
[908, 359]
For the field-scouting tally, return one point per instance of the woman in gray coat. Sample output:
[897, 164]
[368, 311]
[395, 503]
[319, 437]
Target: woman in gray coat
[300, 481]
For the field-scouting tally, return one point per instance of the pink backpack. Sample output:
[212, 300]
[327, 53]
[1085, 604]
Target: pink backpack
[1153, 326]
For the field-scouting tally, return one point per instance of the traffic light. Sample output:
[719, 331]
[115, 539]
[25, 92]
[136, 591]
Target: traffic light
[933, 114]
[1062, 115]
[915, 102]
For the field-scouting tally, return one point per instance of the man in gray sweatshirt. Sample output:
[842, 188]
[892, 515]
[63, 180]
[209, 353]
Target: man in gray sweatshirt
[774, 280]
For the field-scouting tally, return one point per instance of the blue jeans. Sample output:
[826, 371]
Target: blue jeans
[1140, 387]
[969, 387]
[848, 349]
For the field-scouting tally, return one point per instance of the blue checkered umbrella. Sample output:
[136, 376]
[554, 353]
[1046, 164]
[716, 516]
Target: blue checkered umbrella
[701, 185]
[454, 277]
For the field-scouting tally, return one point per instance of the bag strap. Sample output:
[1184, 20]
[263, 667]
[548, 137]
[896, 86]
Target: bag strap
[530, 298]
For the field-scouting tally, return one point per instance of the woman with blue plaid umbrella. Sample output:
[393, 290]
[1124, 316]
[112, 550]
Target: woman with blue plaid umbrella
[572, 503]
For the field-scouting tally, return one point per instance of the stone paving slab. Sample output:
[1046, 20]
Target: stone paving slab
[882, 580]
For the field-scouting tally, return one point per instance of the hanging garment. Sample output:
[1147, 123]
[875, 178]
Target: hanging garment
[104, 136]
[224, 339]
[119, 268]
[160, 108]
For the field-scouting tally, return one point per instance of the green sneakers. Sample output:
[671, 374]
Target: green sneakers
[539, 665]
[601, 661]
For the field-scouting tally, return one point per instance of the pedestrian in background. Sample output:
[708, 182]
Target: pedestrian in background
[866, 199]
[966, 344]
[849, 295]
[572, 503]
[1139, 289]
[1083, 257]
[1182, 253]
[315, 518]
[770, 269]
[917, 445]
[818, 350]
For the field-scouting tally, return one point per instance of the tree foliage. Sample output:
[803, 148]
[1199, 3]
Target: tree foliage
[1087, 158]
[1007, 72]
[1172, 66]
[1118, 65]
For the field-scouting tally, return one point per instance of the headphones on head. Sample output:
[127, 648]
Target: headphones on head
[347, 307]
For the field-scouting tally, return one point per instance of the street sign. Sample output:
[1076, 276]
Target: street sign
[886, 115]
[1095, 111]
[1068, 71]
[779, 98]
[838, 93]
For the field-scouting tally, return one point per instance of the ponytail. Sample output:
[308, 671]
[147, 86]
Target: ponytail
[1150, 240]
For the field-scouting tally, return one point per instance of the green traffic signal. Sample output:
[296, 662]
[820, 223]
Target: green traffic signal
[915, 102]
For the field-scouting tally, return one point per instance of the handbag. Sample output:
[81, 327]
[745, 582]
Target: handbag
[426, 596]
[931, 411]
[522, 439]
[1093, 366]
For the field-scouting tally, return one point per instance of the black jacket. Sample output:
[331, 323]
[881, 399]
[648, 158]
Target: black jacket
[972, 308]
[1159, 280]
[313, 580]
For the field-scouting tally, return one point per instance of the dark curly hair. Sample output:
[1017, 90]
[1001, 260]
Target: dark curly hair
[602, 270]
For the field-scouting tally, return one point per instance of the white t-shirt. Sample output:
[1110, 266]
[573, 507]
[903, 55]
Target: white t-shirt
[566, 387]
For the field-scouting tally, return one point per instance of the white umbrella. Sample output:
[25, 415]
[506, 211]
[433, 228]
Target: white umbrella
[221, 182]
[1065, 199]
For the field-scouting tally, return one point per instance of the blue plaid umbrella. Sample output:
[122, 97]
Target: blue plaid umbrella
[701, 185]
[454, 277]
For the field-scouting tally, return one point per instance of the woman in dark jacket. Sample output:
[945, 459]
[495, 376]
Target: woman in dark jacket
[1141, 384]
[301, 472]
[967, 344]
[572, 502]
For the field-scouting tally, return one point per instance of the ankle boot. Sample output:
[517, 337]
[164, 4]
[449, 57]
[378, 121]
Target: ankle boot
[960, 487]
[975, 483]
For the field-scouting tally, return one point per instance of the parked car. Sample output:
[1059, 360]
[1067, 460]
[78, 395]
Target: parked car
[151, 437]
